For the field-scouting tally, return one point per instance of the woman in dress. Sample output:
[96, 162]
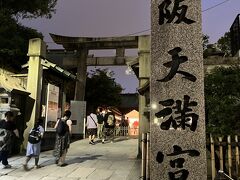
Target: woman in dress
[34, 146]
[63, 140]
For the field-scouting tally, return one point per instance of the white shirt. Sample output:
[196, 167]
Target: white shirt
[41, 129]
[90, 121]
[69, 122]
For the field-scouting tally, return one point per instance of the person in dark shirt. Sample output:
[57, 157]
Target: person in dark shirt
[9, 125]
[109, 125]
[100, 118]
[62, 142]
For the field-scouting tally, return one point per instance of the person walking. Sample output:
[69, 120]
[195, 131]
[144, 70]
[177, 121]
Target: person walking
[92, 127]
[7, 130]
[34, 144]
[109, 125]
[100, 123]
[63, 132]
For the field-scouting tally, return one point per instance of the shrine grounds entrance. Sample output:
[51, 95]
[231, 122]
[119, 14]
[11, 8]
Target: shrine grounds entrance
[76, 55]
[46, 76]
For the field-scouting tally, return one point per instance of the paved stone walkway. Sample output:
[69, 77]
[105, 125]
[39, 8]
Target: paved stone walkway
[109, 161]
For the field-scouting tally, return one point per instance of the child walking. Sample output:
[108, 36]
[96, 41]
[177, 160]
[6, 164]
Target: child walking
[34, 144]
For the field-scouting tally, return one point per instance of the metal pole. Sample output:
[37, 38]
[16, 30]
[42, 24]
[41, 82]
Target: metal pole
[143, 172]
[147, 159]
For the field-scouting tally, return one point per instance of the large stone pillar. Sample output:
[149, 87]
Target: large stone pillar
[144, 74]
[81, 75]
[64, 97]
[177, 91]
[36, 51]
[78, 106]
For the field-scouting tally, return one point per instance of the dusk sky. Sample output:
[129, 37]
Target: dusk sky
[95, 18]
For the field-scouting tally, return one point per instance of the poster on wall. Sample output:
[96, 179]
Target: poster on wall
[52, 110]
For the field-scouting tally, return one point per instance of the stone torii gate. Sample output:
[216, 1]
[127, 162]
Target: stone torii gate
[81, 59]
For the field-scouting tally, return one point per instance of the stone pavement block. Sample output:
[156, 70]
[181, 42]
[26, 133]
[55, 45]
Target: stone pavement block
[32, 177]
[88, 163]
[18, 173]
[122, 172]
[121, 165]
[14, 158]
[63, 171]
[117, 156]
[103, 164]
[83, 158]
[6, 171]
[17, 161]
[50, 178]
[35, 174]
[8, 178]
[45, 170]
[135, 172]
[118, 177]
[57, 178]
[81, 173]
[69, 178]
[101, 174]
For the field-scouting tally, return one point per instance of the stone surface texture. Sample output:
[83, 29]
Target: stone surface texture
[164, 38]
[109, 161]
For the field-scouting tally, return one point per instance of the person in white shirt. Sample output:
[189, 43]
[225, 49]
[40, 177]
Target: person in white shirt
[92, 127]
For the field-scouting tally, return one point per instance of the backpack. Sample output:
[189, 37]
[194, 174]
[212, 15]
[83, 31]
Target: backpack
[100, 118]
[62, 127]
[4, 139]
[110, 120]
[34, 136]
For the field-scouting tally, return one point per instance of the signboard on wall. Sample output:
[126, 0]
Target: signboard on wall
[78, 109]
[52, 109]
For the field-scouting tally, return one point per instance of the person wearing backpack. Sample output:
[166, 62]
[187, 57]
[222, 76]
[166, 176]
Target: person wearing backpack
[109, 125]
[7, 130]
[63, 132]
[34, 144]
[92, 127]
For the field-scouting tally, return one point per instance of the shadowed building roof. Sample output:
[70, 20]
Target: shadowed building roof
[49, 65]
[12, 84]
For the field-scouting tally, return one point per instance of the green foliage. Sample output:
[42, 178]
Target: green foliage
[28, 8]
[224, 43]
[14, 37]
[14, 40]
[205, 41]
[222, 94]
[101, 89]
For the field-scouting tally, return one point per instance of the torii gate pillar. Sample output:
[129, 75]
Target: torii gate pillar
[144, 73]
[81, 75]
